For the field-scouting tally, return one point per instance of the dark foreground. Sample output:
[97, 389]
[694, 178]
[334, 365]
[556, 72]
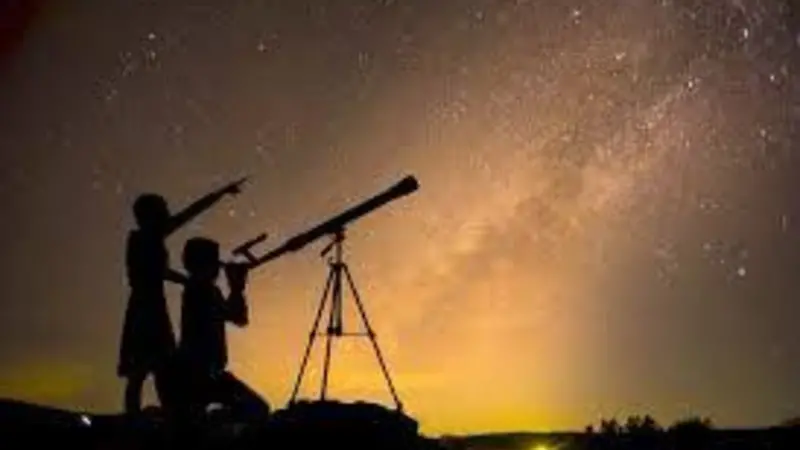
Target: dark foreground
[304, 425]
[348, 426]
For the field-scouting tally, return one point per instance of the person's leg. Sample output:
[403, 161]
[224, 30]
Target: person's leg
[180, 396]
[168, 384]
[133, 392]
[244, 401]
[196, 393]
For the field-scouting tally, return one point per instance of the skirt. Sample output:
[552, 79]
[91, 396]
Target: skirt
[147, 338]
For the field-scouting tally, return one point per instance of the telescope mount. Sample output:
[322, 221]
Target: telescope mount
[339, 277]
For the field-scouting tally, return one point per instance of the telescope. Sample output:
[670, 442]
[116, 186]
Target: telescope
[332, 226]
[339, 277]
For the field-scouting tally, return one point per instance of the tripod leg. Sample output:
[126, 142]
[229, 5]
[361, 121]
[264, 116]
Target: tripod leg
[333, 323]
[311, 336]
[371, 335]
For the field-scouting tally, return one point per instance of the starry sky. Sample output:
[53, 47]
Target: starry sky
[607, 221]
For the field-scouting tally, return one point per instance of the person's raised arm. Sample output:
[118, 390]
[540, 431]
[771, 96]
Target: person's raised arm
[201, 205]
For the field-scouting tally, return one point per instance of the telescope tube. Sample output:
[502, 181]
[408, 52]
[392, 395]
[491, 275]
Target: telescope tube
[404, 187]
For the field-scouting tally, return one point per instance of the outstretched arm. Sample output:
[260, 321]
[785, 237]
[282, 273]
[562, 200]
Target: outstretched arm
[199, 206]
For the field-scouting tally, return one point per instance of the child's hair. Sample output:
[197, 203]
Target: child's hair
[201, 256]
[149, 208]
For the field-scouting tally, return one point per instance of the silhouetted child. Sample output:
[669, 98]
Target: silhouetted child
[203, 346]
[147, 337]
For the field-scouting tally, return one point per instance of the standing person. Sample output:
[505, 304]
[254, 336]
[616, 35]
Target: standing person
[147, 337]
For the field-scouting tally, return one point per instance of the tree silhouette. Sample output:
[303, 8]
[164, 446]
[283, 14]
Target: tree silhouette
[610, 427]
[791, 423]
[633, 424]
[692, 433]
[649, 423]
[642, 432]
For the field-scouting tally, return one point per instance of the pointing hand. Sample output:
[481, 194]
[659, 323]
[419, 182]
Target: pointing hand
[235, 187]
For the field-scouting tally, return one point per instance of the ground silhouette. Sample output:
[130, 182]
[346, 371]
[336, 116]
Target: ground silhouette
[305, 424]
[355, 426]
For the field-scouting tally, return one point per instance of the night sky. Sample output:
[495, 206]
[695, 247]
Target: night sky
[607, 221]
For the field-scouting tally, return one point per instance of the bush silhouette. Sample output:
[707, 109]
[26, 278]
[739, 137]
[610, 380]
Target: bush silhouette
[691, 434]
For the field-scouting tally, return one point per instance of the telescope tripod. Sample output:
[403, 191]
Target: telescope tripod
[338, 274]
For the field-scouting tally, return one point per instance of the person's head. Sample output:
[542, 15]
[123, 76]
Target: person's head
[151, 211]
[201, 258]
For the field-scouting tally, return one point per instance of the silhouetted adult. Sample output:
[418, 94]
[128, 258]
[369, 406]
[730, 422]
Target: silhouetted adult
[203, 346]
[147, 337]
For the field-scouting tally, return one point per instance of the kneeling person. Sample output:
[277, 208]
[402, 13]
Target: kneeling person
[203, 346]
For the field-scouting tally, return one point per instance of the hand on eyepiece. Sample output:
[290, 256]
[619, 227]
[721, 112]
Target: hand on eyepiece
[236, 274]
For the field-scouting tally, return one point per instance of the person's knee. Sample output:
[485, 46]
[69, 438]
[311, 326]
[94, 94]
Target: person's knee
[264, 407]
[239, 395]
[253, 401]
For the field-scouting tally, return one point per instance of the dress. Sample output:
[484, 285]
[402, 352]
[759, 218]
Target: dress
[147, 336]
